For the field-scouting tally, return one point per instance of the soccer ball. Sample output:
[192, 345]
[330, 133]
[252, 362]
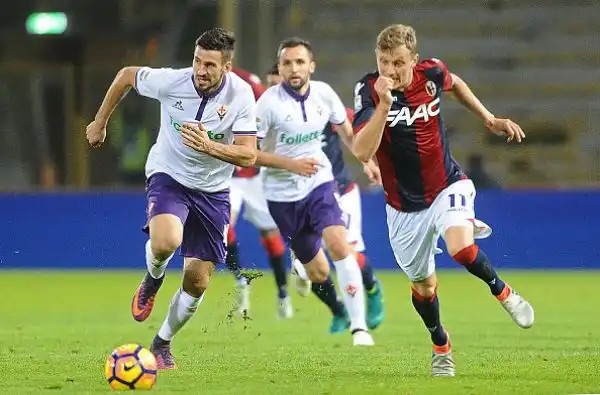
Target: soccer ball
[130, 367]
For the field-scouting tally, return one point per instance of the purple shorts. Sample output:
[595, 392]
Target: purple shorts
[301, 223]
[204, 215]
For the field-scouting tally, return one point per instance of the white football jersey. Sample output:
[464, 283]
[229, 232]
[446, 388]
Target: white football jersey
[228, 112]
[292, 125]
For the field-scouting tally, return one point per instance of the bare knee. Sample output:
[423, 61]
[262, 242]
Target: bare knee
[165, 245]
[318, 274]
[196, 276]
[317, 269]
[166, 235]
[426, 288]
[336, 241]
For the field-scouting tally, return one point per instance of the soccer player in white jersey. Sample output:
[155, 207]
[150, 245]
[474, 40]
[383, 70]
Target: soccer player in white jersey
[349, 202]
[208, 125]
[298, 181]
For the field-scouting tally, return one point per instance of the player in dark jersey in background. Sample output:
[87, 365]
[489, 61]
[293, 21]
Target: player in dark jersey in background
[428, 195]
[246, 188]
[350, 203]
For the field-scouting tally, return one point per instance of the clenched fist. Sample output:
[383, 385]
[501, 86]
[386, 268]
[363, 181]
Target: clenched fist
[95, 133]
[383, 87]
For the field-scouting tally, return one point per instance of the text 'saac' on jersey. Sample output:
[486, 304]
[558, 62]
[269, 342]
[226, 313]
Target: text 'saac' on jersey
[414, 154]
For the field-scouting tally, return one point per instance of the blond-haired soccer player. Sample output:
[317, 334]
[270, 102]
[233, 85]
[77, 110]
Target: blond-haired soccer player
[398, 121]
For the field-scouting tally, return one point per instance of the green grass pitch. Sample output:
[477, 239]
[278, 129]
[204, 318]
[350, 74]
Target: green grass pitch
[56, 329]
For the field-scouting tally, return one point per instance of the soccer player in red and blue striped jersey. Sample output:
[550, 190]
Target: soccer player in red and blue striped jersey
[398, 121]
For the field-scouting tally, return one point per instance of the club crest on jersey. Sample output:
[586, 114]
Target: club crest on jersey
[430, 88]
[423, 111]
[222, 111]
[320, 110]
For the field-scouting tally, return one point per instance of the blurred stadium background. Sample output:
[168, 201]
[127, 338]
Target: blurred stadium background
[536, 64]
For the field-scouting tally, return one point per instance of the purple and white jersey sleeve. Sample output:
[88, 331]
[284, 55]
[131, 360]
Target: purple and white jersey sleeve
[151, 82]
[263, 117]
[245, 121]
[338, 114]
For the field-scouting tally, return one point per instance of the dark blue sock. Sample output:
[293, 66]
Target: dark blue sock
[328, 295]
[429, 310]
[477, 263]
[280, 274]
[368, 276]
[233, 259]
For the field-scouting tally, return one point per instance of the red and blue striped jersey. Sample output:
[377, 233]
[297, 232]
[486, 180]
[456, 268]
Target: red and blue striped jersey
[414, 155]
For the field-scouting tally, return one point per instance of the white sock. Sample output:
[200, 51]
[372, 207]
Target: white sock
[299, 267]
[156, 267]
[182, 308]
[350, 281]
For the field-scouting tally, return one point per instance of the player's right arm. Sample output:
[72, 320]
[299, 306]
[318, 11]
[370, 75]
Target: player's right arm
[147, 81]
[370, 118]
[265, 124]
[125, 79]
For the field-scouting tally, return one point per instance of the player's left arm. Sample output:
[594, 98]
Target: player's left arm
[461, 91]
[340, 118]
[242, 153]
[346, 133]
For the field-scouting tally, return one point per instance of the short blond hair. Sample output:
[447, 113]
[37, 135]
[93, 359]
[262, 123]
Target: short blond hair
[395, 36]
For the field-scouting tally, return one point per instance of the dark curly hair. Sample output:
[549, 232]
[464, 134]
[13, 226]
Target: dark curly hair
[218, 39]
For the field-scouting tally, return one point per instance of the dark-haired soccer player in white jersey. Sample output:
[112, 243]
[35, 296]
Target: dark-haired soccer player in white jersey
[208, 125]
[298, 180]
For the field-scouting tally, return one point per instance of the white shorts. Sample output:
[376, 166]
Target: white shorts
[414, 236]
[351, 207]
[249, 191]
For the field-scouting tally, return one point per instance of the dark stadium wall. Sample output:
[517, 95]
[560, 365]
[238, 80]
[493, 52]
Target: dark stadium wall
[532, 230]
